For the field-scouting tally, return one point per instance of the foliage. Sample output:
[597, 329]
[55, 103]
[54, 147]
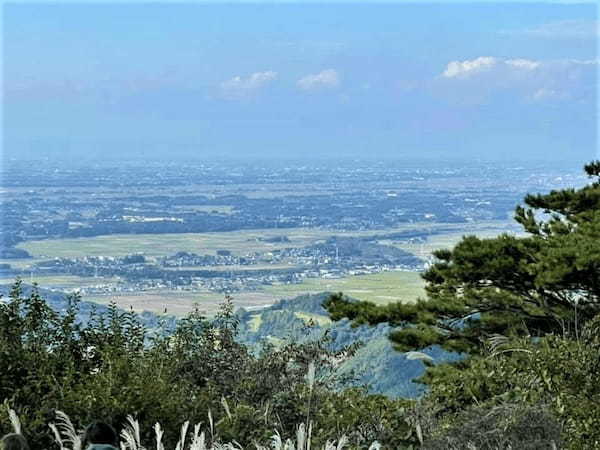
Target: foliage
[67, 438]
[505, 426]
[561, 373]
[374, 363]
[112, 366]
[526, 312]
[545, 282]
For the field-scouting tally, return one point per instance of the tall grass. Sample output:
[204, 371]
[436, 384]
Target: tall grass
[67, 437]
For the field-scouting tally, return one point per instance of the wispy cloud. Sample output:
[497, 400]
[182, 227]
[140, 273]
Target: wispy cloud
[239, 87]
[562, 29]
[531, 79]
[327, 79]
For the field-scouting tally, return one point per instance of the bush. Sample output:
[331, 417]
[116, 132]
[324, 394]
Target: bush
[111, 366]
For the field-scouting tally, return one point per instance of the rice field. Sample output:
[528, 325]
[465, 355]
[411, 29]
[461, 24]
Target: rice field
[179, 303]
[63, 282]
[238, 242]
[442, 241]
[381, 288]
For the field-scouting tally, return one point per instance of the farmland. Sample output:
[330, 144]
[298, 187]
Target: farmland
[379, 288]
[257, 232]
[238, 242]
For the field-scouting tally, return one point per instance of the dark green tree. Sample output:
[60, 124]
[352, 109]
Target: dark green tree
[547, 281]
[108, 365]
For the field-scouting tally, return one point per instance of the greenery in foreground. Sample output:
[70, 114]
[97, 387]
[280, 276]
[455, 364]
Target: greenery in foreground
[524, 311]
[111, 366]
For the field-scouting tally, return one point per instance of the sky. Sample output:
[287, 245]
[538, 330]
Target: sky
[489, 81]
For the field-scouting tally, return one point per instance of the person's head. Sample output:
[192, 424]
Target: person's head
[100, 433]
[13, 441]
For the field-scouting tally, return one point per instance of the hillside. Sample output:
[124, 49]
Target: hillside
[375, 364]
[302, 319]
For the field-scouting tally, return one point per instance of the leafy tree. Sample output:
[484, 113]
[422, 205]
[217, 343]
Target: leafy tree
[547, 281]
[110, 366]
[561, 373]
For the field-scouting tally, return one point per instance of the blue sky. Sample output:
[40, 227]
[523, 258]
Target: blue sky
[486, 80]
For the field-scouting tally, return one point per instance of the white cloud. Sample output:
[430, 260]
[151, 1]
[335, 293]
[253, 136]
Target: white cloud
[533, 79]
[468, 68]
[238, 87]
[326, 79]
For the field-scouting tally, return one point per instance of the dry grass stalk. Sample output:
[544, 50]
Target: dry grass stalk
[65, 433]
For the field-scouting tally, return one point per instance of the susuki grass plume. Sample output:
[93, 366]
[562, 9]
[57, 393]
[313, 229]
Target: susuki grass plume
[130, 435]
[67, 438]
[64, 432]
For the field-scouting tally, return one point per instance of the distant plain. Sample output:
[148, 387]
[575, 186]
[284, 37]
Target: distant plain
[380, 288]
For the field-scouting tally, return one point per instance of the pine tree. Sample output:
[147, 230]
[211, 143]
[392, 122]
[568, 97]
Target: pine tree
[547, 281]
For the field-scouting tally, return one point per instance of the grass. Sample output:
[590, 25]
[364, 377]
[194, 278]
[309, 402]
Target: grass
[238, 242]
[67, 282]
[179, 303]
[381, 288]
[319, 319]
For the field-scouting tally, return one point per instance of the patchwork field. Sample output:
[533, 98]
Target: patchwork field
[379, 288]
[442, 241]
[62, 282]
[238, 242]
[179, 303]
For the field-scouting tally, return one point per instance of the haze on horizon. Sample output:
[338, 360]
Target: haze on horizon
[452, 81]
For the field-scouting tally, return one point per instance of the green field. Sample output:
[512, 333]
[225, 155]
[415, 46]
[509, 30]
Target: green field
[180, 303]
[21, 263]
[238, 242]
[379, 288]
[442, 241]
[66, 282]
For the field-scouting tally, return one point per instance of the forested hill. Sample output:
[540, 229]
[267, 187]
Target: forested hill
[375, 363]
[300, 319]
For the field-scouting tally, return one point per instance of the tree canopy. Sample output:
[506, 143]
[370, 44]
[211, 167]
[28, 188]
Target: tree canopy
[109, 366]
[546, 281]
